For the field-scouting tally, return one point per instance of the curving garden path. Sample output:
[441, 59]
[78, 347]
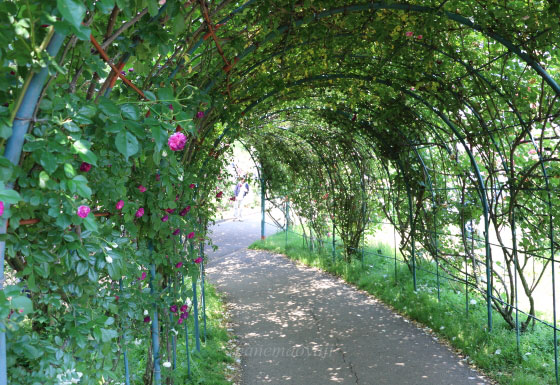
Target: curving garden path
[300, 326]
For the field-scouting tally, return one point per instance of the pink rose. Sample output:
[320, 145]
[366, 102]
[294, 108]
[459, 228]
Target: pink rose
[184, 308]
[143, 276]
[409, 34]
[177, 141]
[192, 185]
[198, 260]
[165, 218]
[419, 37]
[191, 235]
[185, 211]
[176, 232]
[85, 167]
[200, 114]
[119, 205]
[142, 188]
[1, 208]
[219, 195]
[170, 211]
[83, 211]
[178, 265]
[147, 319]
[139, 212]
[180, 321]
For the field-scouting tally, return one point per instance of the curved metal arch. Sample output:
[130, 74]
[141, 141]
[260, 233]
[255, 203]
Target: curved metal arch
[453, 128]
[410, 8]
[411, 219]
[469, 68]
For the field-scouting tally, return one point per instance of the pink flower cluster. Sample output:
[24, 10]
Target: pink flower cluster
[184, 312]
[177, 141]
[83, 211]
[85, 167]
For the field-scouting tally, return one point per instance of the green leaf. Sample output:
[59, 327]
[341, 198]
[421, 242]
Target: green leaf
[90, 223]
[9, 196]
[81, 186]
[130, 111]
[6, 169]
[108, 334]
[22, 302]
[43, 179]
[109, 321]
[31, 352]
[150, 95]
[63, 220]
[153, 8]
[82, 268]
[165, 95]
[69, 171]
[71, 126]
[105, 6]
[92, 275]
[5, 128]
[72, 11]
[127, 144]
[159, 135]
[114, 270]
[109, 108]
[48, 161]
[81, 148]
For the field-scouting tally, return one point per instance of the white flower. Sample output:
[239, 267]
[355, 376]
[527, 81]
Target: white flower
[174, 331]
[108, 259]
[441, 327]
[472, 301]
[166, 364]
[146, 313]
[498, 352]
[189, 303]
[137, 342]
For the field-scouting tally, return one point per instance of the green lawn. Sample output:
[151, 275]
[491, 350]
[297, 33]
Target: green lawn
[495, 352]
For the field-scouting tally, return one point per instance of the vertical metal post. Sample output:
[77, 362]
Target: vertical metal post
[187, 348]
[12, 152]
[515, 262]
[203, 292]
[333, 240]
[155, 326]
[126, 369]
[366, 223]
[412, 232]
[195, 316]
[263, 197]
[287, 215]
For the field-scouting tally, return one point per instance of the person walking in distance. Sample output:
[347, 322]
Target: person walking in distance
[240, 192]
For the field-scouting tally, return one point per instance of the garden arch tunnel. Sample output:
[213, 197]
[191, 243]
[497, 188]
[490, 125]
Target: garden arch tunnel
[449, 109]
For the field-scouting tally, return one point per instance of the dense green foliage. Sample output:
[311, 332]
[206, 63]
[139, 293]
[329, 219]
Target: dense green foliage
[377, 110]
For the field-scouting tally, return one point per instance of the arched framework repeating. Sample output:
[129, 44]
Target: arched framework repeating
[438, 119]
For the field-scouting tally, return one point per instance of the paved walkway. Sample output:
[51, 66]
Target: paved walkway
[301, 326]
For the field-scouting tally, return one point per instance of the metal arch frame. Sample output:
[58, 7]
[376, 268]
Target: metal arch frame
[446, 120]
[411, 216]
[452, 16]
[402, 7]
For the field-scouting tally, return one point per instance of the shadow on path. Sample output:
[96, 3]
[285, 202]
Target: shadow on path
[301, 326]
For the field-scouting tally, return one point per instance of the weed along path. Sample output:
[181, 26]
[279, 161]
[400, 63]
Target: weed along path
[300, 326]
